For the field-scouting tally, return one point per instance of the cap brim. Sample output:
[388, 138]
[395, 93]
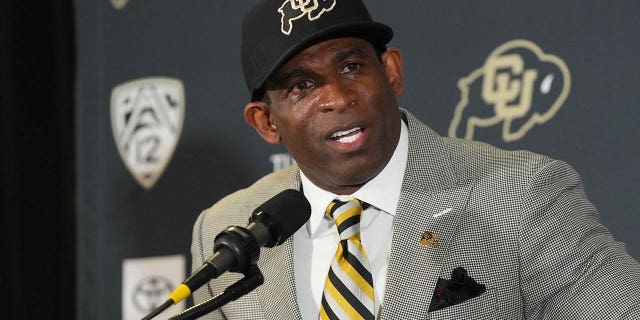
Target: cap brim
[376, 33]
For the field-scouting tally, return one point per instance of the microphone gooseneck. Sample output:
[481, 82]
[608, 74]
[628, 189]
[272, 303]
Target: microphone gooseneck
[236, 248]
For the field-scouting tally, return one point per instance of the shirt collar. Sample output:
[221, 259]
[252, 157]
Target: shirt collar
[382, 192]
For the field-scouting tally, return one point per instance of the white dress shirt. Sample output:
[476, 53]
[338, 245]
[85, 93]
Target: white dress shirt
[315, 244]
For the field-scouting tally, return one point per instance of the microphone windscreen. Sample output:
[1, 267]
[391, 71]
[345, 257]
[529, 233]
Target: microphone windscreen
[284, 214]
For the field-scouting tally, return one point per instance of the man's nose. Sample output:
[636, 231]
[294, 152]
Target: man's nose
[336, 96]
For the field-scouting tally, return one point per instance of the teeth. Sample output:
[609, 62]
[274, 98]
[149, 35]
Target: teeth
[347, 136]
[349, 139]
[344, 133]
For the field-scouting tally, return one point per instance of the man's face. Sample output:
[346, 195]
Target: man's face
[334, 107]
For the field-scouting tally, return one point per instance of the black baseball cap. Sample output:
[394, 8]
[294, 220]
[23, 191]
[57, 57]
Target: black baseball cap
[275, 30]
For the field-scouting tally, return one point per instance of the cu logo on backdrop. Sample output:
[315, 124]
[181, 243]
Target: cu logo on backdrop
[519, 87]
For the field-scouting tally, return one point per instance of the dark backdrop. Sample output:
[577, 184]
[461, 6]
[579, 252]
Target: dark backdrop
[37, 159]
[197, 42]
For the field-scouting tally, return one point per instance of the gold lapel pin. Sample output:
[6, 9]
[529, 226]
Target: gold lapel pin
[428, 239]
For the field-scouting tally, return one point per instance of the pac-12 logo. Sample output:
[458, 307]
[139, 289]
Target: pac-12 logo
[146, 119]
[292, 10]
[518, 87]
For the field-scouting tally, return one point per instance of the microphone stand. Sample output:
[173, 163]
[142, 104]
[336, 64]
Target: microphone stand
[253, 278]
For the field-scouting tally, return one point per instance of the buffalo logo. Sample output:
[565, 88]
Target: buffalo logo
[146, 119]
[150, 293]
[428, 239]
[292, 10]
[519, 86]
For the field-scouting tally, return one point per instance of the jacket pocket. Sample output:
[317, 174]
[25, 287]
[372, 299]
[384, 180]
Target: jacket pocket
[480, 307]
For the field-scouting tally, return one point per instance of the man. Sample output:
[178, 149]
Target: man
[448, 229]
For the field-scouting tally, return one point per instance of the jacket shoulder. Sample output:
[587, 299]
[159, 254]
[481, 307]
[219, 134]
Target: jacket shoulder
[473, 158]
[237, 206]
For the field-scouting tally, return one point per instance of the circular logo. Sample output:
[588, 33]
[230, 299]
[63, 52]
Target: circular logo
[151, 292]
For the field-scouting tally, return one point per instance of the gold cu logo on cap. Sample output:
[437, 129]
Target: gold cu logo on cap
[292, 10]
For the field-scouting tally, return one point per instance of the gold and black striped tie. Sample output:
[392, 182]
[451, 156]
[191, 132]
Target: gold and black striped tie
[348, 291]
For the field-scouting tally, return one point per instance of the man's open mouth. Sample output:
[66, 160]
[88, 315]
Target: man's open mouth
[347, 136]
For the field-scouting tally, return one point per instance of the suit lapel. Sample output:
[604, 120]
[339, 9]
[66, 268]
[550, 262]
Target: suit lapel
[277, 294]
[430, 187]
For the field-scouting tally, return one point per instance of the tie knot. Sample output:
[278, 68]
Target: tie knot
[346, 215]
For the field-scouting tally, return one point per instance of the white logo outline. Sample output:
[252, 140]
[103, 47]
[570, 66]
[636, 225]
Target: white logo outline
[147, 117]
[305, 7]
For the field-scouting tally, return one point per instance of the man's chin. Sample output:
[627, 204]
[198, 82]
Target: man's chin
[350, 184]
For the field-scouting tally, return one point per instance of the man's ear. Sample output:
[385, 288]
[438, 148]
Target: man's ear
[257, 115]
[392, 62]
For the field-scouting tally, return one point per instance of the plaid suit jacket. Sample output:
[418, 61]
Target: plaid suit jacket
[519, 223]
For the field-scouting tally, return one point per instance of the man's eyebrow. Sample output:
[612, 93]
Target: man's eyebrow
[282, 78]
[350, 52]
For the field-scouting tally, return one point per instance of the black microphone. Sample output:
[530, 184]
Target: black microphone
[236, 248]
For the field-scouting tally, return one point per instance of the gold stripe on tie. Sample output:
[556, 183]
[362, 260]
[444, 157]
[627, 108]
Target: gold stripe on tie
[348, 292]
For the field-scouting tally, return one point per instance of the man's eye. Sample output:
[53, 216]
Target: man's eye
[302, 85]
[300, 89]
[351, 67]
